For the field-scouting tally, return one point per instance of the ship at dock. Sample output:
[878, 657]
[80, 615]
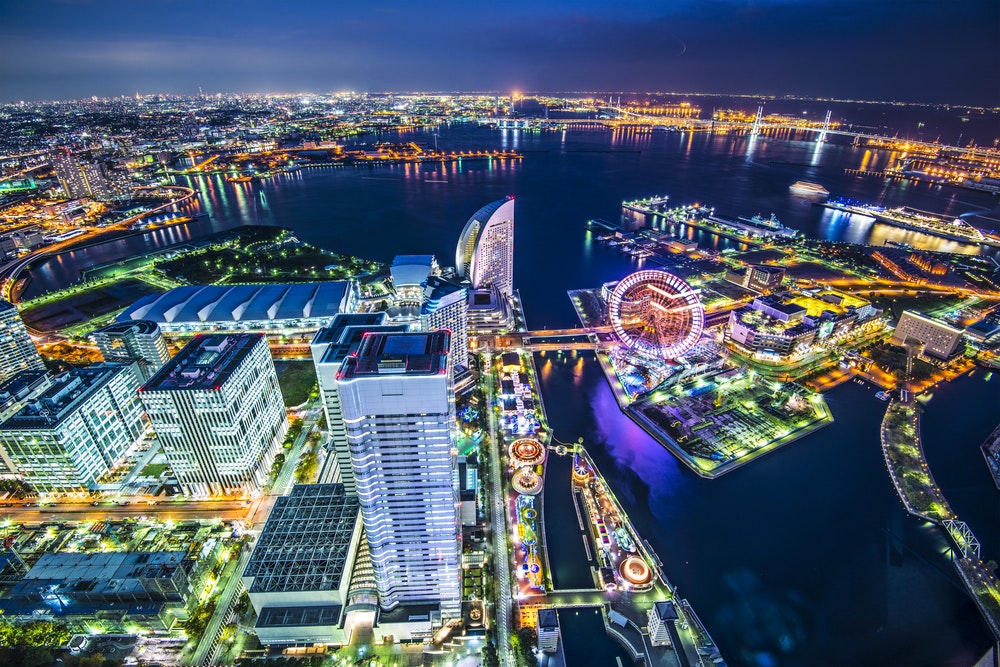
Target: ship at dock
[918, 221]
[758, 225]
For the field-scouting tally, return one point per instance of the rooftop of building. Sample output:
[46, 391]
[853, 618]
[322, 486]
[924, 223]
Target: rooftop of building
[145, 327]
[399, 353]
[547, 619]
[411, 269]
[206, 362]
[6, 305]
[912, 314]
[21, 385]
[241, 303]
[333, 333]
[60, 398]
[665, 610]
[106, 565]
[305, 543]
[765, 324]
[984, 329]
[438, 292]
[832, 301]
[318, 615]
[344, 335]
[788, 308]
[114, 573]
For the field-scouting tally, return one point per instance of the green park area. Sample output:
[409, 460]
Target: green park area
[909, 471]
[260, 255]
[297, 380]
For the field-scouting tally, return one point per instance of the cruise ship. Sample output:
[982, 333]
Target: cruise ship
[919, 221]
[808, 189]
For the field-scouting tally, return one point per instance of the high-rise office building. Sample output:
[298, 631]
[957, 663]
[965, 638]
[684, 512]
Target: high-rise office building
[446, 306]
[485, 253]
[17, 351]
[218, 413]
[329, 347]
[138, 341]
[77, 429]
[398, 404]
[15, 393]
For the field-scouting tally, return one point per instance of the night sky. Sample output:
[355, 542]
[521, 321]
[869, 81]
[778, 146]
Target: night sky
[916, 50]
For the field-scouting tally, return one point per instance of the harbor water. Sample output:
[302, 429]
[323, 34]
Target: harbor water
[805, 557]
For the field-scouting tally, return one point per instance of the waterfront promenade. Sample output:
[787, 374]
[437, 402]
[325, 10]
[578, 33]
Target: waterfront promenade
[920, 494]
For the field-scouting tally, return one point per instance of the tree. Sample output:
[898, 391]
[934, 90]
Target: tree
[490, 657]
[526, 642]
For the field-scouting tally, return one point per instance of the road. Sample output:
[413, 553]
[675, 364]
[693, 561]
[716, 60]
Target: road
[227, 510]
[233, 587]
[10, 271]
[498, 514]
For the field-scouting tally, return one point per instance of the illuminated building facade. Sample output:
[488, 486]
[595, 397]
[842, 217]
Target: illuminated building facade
[17, 351]
[139, 342]
[485, 253]
[329, 347]
[398, 404]
[218, 413]
[939, 339]
[76, 429]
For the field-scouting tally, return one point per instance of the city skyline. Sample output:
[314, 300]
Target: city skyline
[850, 50]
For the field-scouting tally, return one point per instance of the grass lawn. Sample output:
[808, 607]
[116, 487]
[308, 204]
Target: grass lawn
[296, 379]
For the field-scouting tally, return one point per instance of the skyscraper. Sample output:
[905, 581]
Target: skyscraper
[77, 429]
[446, 306]
[329, 347]
[17, 351]
[218, 413]
[398, 406]
[137, 341]
[485, 253]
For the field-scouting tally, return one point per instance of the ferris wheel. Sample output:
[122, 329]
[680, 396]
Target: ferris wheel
[656, 314]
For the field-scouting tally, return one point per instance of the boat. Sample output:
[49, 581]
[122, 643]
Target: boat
[918, 221]
[882, 396]
[762, 226]
[624, 540]
[240, 179]
[809, 189]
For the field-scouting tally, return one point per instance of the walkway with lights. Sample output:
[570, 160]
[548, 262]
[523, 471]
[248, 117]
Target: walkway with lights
[901, 447]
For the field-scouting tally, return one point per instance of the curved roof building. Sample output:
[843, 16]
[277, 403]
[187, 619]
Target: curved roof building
[244, 307]
[485, 253]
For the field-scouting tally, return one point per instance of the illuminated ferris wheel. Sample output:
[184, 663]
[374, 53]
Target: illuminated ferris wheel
[656, 314]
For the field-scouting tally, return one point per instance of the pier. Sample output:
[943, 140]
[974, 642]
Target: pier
[625, 604]
[904, 459]
[627, 577]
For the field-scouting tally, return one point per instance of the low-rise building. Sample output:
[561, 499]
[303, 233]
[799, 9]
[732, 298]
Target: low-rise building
[299, 574]
[661, 616]
[243, 308]
[548, 630]
[102, 579]
[939, 339]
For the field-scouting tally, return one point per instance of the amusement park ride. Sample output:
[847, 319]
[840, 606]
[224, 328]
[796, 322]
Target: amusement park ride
[656, 315]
